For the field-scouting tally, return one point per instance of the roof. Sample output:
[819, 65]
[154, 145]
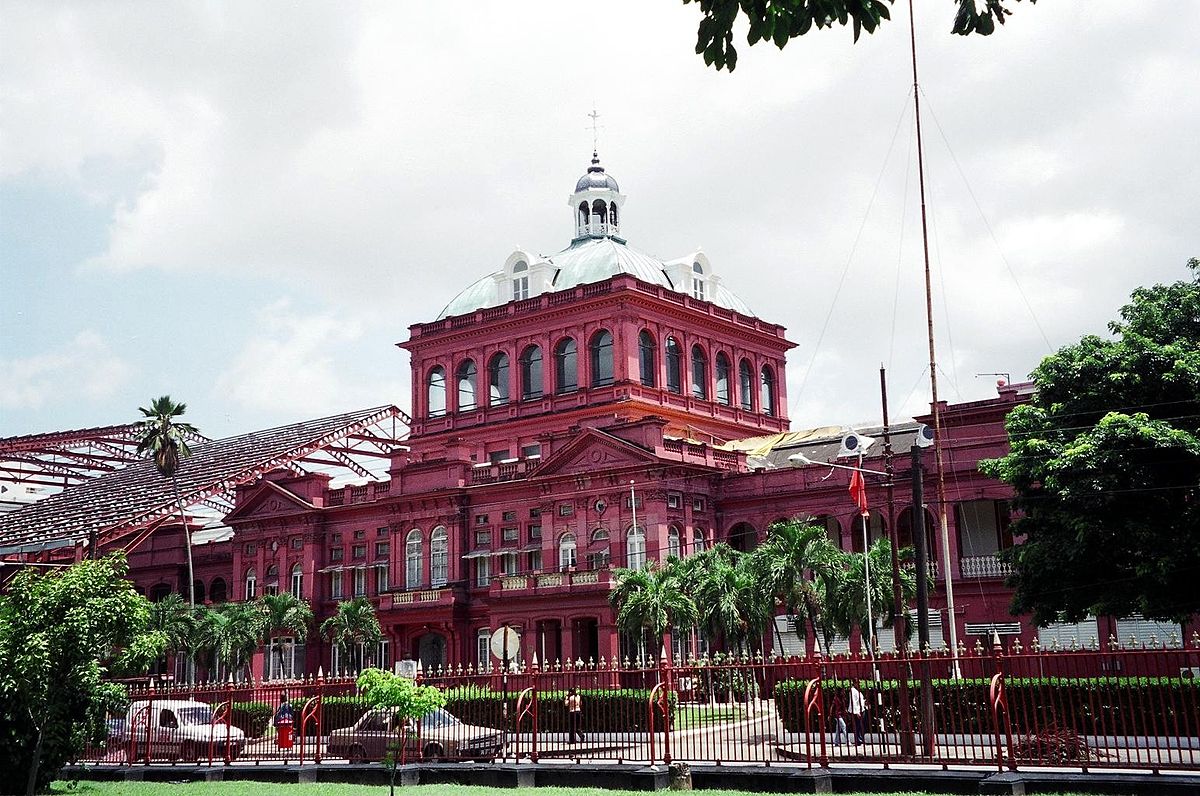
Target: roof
[818, 444]
[137, 498]
[585, 261]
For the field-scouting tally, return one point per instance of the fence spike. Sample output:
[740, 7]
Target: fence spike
[1153, 641]
[1074, 644]
[1017, 645]
[1196, 638]
[1132, 643]
[1094, 643]
[1174, 639]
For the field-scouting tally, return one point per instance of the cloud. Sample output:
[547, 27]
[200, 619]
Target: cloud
[293, 366]
[84, 368]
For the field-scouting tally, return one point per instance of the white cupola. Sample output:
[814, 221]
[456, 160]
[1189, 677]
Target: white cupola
[596, 203]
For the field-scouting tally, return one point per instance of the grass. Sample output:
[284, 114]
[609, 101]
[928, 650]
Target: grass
[84, 788]
[691, 716]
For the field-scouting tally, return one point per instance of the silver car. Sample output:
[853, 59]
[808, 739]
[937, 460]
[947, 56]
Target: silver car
[439, 735]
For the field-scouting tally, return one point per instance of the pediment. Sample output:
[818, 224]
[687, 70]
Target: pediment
[592, 451]
[267, 499]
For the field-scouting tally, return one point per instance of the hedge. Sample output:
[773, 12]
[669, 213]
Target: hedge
[252, 718]
[1086, 705]
[337, 713]
[604, 710]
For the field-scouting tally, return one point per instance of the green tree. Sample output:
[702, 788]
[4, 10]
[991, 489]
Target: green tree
[651, 600]
[165, 438]
[353, 626]
[57, 631]
[285, 616]
[231, 632]
[846, 592]
[734, 605]
[795, 565]
[171, 629]
[780, 21]
[1105, 464]
[410, 702]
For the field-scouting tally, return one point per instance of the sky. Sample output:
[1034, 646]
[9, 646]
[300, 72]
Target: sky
[246, 205]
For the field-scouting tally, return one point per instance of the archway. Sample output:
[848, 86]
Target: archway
[743, 537]
[431, 650]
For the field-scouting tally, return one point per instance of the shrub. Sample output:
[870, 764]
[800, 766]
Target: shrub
[604, 710]
[252, 718]
[337, 712]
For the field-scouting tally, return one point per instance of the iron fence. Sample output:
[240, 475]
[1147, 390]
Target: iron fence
[1003, 707]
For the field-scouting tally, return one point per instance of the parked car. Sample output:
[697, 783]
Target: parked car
[175, 729]
[439, 735]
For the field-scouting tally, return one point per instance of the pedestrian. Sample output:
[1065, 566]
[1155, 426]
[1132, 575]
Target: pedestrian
[838, 711]
[574, 705]
[858, 709]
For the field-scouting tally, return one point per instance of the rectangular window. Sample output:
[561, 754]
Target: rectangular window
[481, 519]
[297, 543]
[520, 288]
[673, 500]
[335, 585]
[566, 509]
[495, 457]
[360, 582]
[509, 533]
[629, 501]
[360, 534]
[510, 516]
[382, 549]
[483, 646]
[508, 564]
[483, 575]
[535, 560]
[439, 567]
[335, 538]
[698, 288]
[483, 538]
[533, 513]
[698, 504]
[382, 531]
[535, 532]
[251, 548]
[359, 551]
[336, 554]
[529, 451]
[381, 579]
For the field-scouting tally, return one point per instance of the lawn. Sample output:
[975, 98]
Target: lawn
[691, 716]
[84, 788]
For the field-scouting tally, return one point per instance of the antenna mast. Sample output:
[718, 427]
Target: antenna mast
[933, 382]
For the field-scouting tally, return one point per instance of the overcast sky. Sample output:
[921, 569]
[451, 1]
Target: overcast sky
[245, 205]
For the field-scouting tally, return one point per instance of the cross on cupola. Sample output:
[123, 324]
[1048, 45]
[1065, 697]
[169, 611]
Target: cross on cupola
[597, 200]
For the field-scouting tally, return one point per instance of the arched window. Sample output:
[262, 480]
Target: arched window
[766, 392]
[298, 582]
[601, 349]
[647, 365]
[439, 558]
[218, 592]
[600, 210]
[566, 551]
[251, 584]
[698, 543]
[272, 578]
[585, 212]
[746, 385]
[437, 392]
[531, 373]
[724, 395]
[743, 537]
[466, 385]
[520, 280]
[159, 591]
[674, 366]
[612, 213]
[412, 560]
[699, 373]
[698, 281]
[566, 366]
[674, 543]
[635, 548]
[498, 379]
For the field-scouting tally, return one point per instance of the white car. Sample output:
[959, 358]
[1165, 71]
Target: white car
[177, 729]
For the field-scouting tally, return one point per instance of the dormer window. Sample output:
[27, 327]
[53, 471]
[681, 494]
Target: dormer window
[698, 281]
[520, 280]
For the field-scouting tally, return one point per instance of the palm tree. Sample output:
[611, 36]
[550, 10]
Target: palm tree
[353, 625]
[732, 601]
[166, 440]
[650, 600]
[796, 565]
[176, 623]
[846, 603]
[231, 632]
[285, 615]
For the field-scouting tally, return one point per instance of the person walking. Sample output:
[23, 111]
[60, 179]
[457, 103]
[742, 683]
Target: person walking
[838, 711]
[574, 705]
[858, 709]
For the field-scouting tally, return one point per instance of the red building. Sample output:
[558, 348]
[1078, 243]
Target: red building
[574, 413]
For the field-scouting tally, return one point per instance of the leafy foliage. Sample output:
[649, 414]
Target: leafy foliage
[284, 615]
[163, 436]
[57, 630]
[353, 625]
[383, 689]
[650, 600]
[604, 709]
[780, 21]
[230, 633]
[1105, 464]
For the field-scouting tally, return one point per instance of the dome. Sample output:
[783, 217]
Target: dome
[596, 179]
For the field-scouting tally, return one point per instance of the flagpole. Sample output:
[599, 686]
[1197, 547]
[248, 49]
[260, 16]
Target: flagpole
[866, 518]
